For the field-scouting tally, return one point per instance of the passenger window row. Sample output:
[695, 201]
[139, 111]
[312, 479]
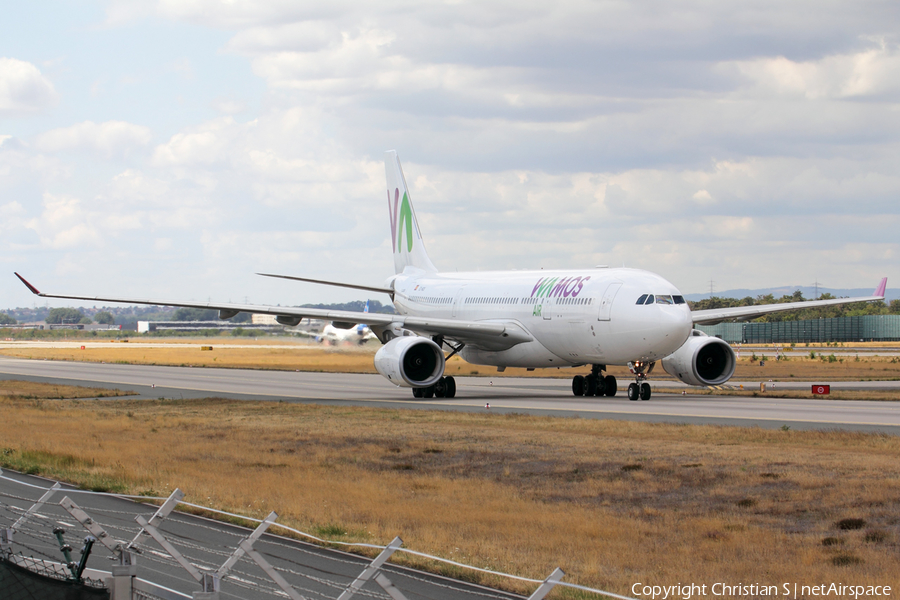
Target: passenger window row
[660, 299]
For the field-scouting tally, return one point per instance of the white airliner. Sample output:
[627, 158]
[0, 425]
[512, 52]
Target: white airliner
[359, 334]
[533, 319]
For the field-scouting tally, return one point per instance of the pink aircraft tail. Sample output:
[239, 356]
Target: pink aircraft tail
[879, 291]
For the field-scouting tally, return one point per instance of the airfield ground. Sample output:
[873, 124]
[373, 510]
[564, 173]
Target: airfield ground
[857, 362]
[612, 502]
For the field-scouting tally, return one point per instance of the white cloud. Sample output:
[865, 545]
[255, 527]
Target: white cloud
[184, 67]
[65, 224]
[726, 140]
[22, 87]
[228, 106]
[703, 197]
[867, 72]
[110, 138]
[203, 145]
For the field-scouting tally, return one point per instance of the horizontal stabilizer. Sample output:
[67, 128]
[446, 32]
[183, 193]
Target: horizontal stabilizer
[354, 286]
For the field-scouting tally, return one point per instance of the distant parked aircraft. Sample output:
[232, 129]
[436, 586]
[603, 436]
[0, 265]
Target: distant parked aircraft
[358, 334]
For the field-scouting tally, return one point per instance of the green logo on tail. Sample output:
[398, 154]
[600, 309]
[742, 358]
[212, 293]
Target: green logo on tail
[405, 218]
[401, 219]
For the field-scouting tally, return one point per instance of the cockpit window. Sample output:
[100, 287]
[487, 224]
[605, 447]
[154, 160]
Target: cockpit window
[641, 299]
[649, 299]
[664, 299]
[678, 299]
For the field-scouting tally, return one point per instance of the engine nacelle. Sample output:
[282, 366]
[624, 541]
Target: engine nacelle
[288, 320]
[410, 361]
[701, 360]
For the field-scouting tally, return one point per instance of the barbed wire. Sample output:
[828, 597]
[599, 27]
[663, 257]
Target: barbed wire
[189, 543]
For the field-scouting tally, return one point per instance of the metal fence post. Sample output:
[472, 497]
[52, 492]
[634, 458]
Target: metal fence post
[122, 581]
[210, 588]
[389, 587]
[36, 506]
[168, 547]
[270, 571]
[548, 585]
[246, 547]
[239, 551]
[121, 584]
[161, 513]
[115, 546]
[7, 534]
[6, 540]
[371, 570]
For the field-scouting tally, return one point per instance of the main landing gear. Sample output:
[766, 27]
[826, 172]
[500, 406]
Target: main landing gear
[444, 388]
[594, 384]
[640, 388]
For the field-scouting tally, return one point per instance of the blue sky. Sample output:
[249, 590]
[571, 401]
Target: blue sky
[172, 149]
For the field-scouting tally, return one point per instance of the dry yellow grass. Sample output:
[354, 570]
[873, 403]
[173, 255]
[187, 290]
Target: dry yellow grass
[304, 358]
[17, 389]
[613, 503]
[359, 360]
[886, 395]
[872, 368]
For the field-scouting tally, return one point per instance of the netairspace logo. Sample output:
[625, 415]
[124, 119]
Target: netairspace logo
[755, 590]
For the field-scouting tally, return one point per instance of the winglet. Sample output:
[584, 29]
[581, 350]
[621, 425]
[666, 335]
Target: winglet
[33, 289]
[879, 291]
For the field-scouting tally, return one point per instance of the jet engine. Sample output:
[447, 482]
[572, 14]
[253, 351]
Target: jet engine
[410, 361]
[701, 360]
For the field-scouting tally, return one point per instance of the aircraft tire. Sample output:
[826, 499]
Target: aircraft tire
[633, 391]
[450, 386]
[440, 388]
[428, 392]
[609, 385]
[578, 385]
[591, 388]
[645, 391]
[417, 392]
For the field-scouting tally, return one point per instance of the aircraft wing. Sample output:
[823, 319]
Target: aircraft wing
[490, 335]
[745, 313]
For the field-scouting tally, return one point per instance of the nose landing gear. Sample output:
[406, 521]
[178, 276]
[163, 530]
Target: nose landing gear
[595, 384]
[640, 388]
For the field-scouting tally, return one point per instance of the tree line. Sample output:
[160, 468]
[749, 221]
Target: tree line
[130, 315]
[857, 309]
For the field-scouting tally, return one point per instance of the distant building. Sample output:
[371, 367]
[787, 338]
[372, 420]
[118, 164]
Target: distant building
[150, 326]
[868, 328]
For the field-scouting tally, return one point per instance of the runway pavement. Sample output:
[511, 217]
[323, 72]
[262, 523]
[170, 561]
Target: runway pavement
[533, 396]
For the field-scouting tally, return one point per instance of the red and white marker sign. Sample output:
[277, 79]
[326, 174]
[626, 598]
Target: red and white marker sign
[821, 389]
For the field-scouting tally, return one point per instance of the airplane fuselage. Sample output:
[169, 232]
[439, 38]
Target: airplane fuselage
[585, 316]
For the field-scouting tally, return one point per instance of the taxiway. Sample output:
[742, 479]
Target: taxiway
[504, 394]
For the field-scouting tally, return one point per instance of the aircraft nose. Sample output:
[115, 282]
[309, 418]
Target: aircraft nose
[674, 325]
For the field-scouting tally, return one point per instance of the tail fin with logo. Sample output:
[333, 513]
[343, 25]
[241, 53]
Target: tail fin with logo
[406, 239]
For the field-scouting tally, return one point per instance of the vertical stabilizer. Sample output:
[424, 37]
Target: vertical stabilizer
[406, 239]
